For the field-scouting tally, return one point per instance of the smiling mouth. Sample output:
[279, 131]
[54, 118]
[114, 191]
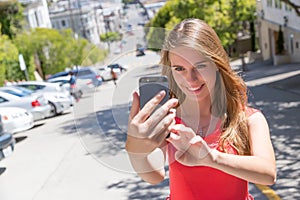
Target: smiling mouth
[196, 89]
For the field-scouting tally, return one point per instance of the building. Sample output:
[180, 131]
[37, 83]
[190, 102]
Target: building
[88, 19]
[36, 13]
[279, 31]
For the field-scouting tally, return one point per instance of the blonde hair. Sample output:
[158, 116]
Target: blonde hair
[231, 100]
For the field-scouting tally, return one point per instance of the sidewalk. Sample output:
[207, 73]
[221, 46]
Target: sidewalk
[275, 90]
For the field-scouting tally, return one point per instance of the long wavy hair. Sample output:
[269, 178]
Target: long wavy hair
[229, 98]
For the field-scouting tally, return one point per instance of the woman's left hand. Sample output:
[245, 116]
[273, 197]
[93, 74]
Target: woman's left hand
[192, 150]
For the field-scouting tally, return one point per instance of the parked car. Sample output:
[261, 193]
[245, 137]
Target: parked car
[140, 50]
[105, 72]
[42, 86]
[65, 82]
[59, 101]
[16, 119]
[7, 143]
[87, 76]
[36, 104]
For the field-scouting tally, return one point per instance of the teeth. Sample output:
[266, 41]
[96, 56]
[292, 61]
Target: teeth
[193, 89]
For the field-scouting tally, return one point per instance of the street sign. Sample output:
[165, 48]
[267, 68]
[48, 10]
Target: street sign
[22, 62]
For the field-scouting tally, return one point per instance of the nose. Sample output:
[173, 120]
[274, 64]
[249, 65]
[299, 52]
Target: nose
[193, 75]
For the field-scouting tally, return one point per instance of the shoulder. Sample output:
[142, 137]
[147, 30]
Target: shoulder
[249, 111]
[255, 117]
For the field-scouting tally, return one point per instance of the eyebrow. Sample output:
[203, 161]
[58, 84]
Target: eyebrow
[195, 64]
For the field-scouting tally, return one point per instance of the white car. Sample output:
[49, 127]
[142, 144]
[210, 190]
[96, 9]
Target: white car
[59, 101]
[36, 104]
[16, 119]
[105, 72]
[42, 86]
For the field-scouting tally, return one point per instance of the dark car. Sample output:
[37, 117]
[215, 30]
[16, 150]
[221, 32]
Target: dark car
[140, 50]
[84, 73]
[7, 142]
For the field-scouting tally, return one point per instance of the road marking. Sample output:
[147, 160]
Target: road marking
[268, 192]
[270, 79]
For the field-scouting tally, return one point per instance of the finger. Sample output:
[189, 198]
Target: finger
[161, 113]
[163, 110]
[161, 130]
[179, 156]
[182, 129]
[196, 139]
[135, 105]
[151, 105]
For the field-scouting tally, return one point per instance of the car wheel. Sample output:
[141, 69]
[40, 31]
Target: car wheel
[53, 111]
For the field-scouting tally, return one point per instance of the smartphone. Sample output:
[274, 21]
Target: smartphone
[149, 86]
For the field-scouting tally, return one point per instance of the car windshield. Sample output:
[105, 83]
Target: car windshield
[24, 90]
[18, 91]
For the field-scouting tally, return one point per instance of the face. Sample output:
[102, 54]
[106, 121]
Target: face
[194, 74]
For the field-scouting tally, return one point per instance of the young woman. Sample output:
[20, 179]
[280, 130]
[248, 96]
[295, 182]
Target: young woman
[215, 143]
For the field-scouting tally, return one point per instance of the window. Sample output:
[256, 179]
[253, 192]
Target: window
[63, 23]
[269, 3]
[2, 100]
[278, 4]
[288, 7]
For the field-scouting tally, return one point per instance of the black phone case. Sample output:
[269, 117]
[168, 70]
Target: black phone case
[150, 86]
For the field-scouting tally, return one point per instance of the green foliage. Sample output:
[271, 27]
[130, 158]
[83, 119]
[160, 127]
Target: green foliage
[280, 42]
[12, 18]
[53, 50]
[226, 17]
[110, 37]
[92, 54]
[9, 61]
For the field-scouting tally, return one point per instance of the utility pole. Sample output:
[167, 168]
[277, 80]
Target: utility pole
[71, 16]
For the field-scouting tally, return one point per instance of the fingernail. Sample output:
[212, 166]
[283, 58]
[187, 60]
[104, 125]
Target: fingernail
[161, 93]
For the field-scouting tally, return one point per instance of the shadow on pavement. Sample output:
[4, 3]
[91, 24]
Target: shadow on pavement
[280, 103]
[139, 189]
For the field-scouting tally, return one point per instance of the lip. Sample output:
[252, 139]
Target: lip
[195, 90]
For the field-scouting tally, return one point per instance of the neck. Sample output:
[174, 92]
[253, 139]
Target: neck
[196, 108]
[196, 114]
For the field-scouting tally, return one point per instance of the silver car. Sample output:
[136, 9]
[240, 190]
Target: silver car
[59, 101]
[16, 119]
[36, 104]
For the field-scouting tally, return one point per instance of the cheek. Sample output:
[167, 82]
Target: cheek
[178, 79]
[210, 79]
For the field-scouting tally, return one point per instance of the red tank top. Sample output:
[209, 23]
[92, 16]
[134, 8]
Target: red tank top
[205, 183]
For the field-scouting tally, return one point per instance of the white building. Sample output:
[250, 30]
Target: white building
[36, 13]
[274, 15]
[88, 19]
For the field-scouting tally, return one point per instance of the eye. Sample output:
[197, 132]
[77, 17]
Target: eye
[178, 68]
[200, 66]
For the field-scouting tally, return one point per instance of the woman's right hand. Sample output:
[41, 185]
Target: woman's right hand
[147, 132]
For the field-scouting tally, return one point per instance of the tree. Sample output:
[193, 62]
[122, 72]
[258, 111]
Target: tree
[228, 18]
[295, 6]
[11, 19]
[280, 42]
[109, 37]
[53, 51]
[9, 61]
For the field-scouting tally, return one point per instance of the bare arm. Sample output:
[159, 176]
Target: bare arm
[150, 167]
[145, 144]
[258, 168]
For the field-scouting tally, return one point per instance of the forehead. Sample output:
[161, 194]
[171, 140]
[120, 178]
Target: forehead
[185, 54]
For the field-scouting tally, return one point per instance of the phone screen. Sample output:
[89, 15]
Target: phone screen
[149, 86]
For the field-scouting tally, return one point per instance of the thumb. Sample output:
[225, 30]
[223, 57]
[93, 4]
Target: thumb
[179, 155]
